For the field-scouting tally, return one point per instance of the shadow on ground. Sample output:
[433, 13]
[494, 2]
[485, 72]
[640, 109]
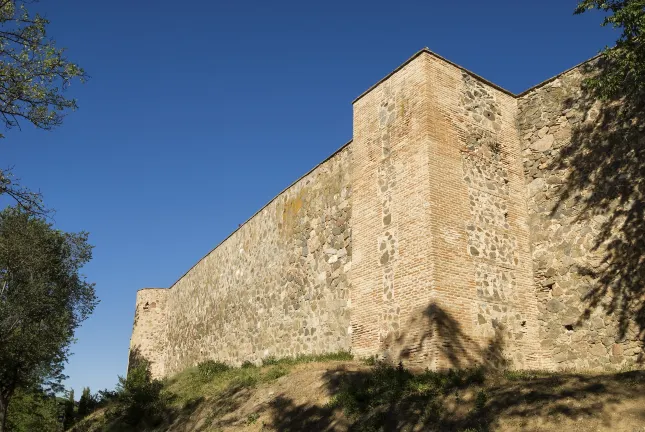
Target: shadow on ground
[392, 399]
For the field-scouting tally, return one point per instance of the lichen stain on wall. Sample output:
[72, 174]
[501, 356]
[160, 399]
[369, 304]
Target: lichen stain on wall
[278, 286]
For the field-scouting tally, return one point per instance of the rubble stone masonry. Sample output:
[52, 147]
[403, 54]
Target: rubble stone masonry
[430, 239]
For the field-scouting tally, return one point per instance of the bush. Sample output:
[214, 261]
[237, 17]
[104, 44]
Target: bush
[276, 372]
[105, 396]
[244, 381]
[211, 368]
[34, 410]
[269, 361]
[140, 401]
[307, 358]
[86, 404]
[366, 397]
[247, 365]
[480, 401]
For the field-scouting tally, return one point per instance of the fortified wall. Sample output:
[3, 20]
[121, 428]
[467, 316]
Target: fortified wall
[443, 235]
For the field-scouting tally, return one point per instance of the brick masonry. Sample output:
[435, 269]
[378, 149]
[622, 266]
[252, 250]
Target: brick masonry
[426, 239]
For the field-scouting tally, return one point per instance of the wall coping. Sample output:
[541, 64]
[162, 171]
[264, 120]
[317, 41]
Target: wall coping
[474, 75]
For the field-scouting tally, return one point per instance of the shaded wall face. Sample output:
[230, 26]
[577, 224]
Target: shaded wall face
[278, 286]
[149, 330]
[583, 198]
[441, 275]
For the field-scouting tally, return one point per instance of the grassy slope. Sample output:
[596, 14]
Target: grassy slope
[332, 393]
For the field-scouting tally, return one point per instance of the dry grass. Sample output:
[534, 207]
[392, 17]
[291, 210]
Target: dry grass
[290, 395]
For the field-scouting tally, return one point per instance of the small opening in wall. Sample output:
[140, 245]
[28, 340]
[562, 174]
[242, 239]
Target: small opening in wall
[569, 327]
[523, 323]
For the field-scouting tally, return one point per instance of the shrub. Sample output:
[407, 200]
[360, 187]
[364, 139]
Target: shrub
[140, 401]
[244, 381]
[268, 361]
[276, 372]
[370, 361]
[210, 368]
[480, 401]
[247, 364]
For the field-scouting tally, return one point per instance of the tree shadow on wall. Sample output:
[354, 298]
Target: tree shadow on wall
[454, 348]
[386, 397]
[135, 359]
[605, 162]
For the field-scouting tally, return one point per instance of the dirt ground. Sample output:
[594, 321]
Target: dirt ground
[543, 402]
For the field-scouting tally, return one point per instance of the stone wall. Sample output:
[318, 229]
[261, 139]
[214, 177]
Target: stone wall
[149, 330]
[502, 307]
[462, 225]
[391, 268]
[573, 222]
[482, 251]
[441, 273]
[278, 286]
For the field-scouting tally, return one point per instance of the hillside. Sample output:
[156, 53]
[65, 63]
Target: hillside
[339, 395]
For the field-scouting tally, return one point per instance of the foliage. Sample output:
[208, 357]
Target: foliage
[86, 404]
[276, 372]
[43, 299]
[523, 375]
[33, 74]
[33, 70]
[140, 401]
[211, 368]
[68, 412]
[308, 358]
[368, 398]
[105, 396]
[247, 365]
[624, 73]
[481, 400]
[33, 411]
[25, 199]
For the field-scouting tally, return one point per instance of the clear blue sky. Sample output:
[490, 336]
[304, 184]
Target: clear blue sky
[198, 113]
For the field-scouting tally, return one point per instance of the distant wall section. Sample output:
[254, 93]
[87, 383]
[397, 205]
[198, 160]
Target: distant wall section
[149, 330]
[278, 286]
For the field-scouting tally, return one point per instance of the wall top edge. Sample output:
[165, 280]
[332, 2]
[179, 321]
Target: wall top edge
[343, 147]
[553, 78]
[149, 288]
[474, 75]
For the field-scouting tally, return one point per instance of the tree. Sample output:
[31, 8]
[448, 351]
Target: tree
[43, 299]
[86, 403]
[625, 71]
[68, 413]
[140, 399]
[33, 75]
[33, 410]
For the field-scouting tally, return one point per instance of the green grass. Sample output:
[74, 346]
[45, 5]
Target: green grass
[252, 418]
[211, 378]
[308, 358]
[375, 398]
[367, 398]
[523, 375]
